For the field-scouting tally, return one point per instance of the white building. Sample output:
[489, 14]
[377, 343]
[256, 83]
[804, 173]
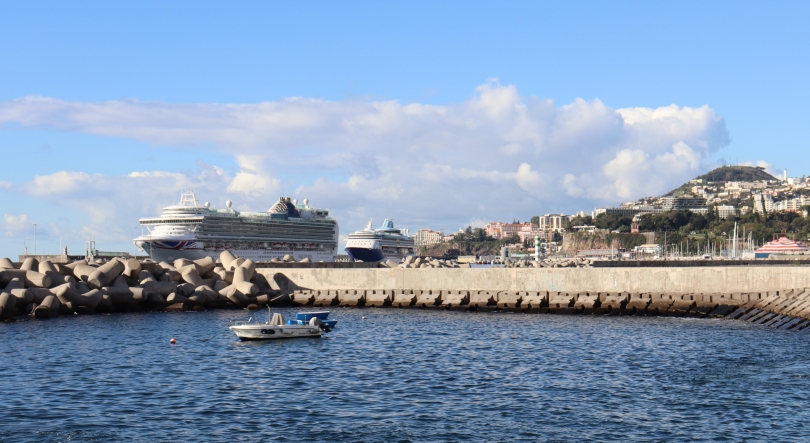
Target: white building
[554, 222]
[726, 211]
[425, 237]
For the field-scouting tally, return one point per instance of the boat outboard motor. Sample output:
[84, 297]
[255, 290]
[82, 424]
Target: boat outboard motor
[315, 321]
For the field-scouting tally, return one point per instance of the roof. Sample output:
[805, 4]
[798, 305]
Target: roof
[783, 244]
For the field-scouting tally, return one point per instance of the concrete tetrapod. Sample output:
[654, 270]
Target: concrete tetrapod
[205, 265]
[226, 258]
[192, 276]
[31, 278]
[5, 263]
[30, 264]
[105, 274]
[49, 308]
[7, 305]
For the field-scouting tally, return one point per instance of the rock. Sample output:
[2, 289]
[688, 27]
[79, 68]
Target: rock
[288, 259]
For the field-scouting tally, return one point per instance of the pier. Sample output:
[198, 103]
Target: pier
[775, 294]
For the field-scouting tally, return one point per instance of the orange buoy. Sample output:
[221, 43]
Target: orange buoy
[172, 341]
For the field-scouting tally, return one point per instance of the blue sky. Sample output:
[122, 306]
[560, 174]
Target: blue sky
[175, 64]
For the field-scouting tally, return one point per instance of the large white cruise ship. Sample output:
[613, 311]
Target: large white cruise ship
[371, 245]
[192, 230]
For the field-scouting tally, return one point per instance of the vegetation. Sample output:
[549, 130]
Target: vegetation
[472, 241]
[727, 174]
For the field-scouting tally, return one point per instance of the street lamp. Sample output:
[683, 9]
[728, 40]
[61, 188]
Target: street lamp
[35, 239]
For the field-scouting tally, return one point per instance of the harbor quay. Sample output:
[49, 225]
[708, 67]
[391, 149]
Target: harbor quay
[775, 295]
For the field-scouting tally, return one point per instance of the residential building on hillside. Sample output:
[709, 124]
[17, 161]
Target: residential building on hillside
[676, 203]
[726, 211]
[791, 204]
[554, 222]
[425, 237]
[499, 230]
[763, 202]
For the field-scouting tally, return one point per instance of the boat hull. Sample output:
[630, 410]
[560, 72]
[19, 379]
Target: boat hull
[255, 332]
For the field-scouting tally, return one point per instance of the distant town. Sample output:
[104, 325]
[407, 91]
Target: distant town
[730, 212]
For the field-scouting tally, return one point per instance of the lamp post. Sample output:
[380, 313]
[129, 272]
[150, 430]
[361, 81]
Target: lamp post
[35, 239]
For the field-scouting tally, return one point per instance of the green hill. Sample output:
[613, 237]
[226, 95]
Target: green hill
[727, 174]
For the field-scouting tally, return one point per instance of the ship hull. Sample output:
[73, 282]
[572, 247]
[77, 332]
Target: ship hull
[372, 255]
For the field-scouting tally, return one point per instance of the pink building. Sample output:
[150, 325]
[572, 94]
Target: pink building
[499, 230]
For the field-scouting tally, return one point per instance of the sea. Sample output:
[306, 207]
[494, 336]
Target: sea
[403, 375]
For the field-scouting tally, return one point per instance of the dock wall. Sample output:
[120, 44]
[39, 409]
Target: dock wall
[674, 279]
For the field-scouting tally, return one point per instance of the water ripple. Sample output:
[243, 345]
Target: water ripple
[403, 375]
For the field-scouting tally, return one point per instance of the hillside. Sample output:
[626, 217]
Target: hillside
[726, 174]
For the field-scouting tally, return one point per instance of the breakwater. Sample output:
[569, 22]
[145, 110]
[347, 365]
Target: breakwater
[774, 295]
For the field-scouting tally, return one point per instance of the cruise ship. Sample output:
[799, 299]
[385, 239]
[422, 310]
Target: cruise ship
[387, 242]
[192, 230]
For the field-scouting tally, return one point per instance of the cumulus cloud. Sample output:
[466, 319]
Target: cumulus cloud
[16, 225]
[498, 155]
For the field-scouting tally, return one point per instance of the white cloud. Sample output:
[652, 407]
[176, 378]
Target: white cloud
[16, 225]
[498, 155]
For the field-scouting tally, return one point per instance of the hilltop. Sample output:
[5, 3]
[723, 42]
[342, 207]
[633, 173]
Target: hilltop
[725, 174]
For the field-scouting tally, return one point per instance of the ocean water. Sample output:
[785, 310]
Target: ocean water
[402, 375]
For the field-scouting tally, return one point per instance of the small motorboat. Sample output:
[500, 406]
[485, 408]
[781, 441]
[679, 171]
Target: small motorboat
[306, 324]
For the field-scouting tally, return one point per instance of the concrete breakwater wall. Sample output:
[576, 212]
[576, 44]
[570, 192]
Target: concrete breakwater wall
[787, 310]
[683, 280]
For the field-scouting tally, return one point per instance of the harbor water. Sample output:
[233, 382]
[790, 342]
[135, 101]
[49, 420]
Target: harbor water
[402, 375]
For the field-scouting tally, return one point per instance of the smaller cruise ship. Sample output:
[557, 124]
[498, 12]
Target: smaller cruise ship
[387, 242]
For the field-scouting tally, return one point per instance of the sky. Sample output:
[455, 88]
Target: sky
[437, 114]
